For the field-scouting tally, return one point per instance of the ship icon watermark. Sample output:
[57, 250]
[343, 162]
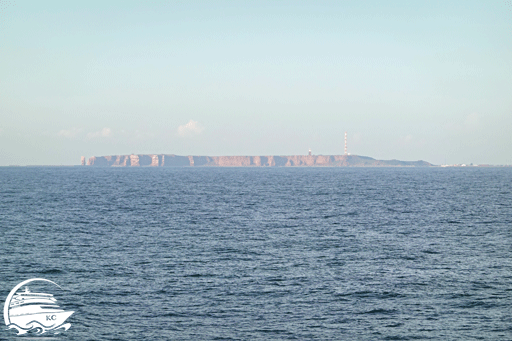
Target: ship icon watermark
[34, 312]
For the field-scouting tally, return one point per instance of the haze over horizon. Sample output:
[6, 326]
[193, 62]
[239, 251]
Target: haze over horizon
[423, 80]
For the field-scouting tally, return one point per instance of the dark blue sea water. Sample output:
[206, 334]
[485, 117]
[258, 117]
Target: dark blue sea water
[264, 253]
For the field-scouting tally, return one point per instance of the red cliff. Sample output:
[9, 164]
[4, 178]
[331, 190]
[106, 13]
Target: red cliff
[171, 160]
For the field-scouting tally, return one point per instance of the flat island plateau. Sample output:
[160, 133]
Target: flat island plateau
[171, 160]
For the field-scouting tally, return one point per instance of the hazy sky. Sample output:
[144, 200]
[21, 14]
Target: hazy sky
[409, 80]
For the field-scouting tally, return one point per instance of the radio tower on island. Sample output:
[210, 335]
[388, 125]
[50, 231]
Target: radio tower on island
[346, 143]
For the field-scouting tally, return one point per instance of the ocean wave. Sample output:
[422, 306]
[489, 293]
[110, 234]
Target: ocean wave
[37, 328]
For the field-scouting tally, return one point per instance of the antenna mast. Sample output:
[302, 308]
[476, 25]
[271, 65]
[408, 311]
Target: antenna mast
[346, 143]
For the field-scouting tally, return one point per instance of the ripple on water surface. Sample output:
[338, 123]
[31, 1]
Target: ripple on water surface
[255, 253]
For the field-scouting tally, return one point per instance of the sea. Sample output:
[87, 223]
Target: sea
[262, 253]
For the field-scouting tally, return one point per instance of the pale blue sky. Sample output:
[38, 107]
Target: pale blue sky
[410, 80]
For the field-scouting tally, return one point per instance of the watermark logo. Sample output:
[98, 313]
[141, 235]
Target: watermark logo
[34, 312]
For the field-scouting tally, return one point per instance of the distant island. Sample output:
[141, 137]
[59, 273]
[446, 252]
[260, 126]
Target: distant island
[171, 160]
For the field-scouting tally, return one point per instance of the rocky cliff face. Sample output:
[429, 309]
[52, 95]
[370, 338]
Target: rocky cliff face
[171, 160]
